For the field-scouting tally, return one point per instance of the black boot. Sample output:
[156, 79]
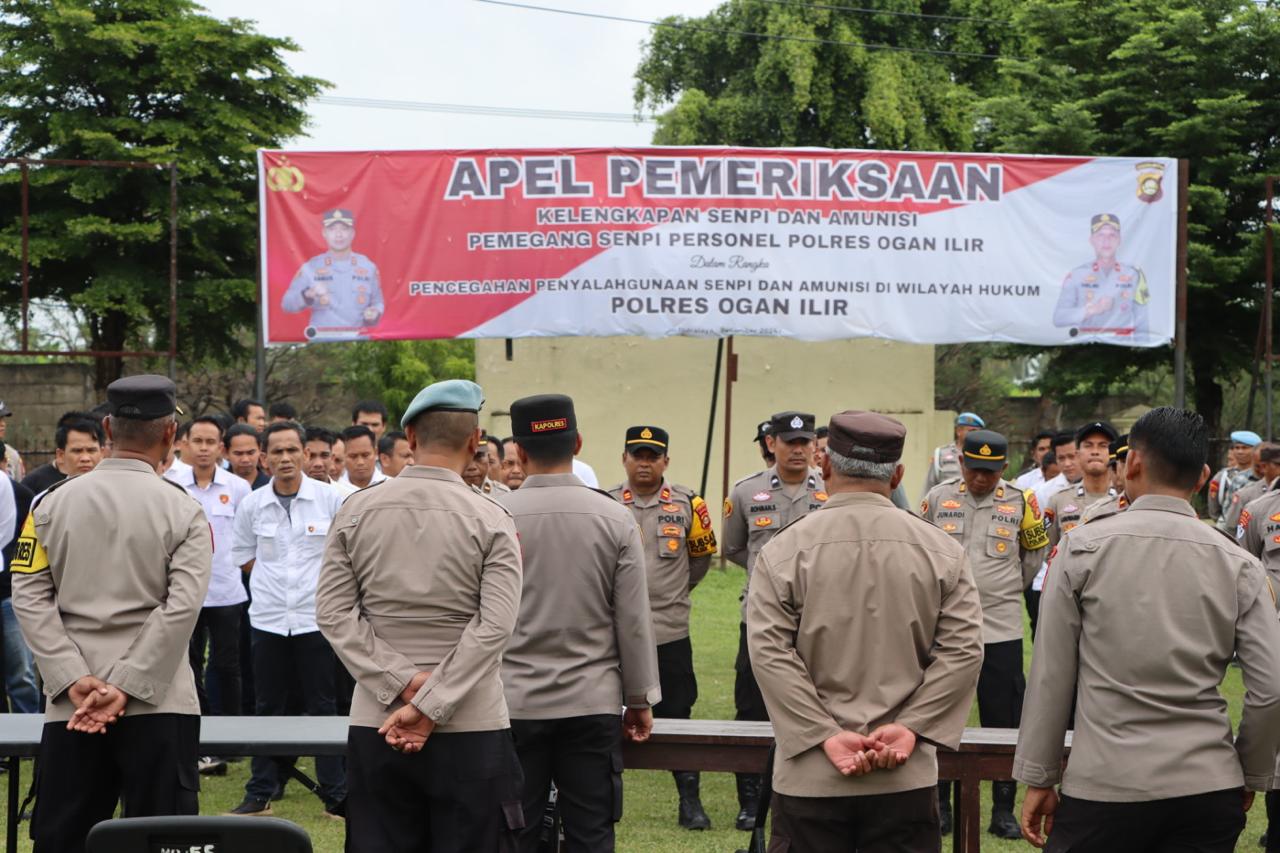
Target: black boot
[1003, 823]
[944, 808]
[749, 785]
[692, 815]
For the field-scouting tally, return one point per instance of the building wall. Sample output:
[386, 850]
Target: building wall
[618, 382]
[38, 394]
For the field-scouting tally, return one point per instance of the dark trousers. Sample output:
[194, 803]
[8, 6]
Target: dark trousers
[1204, 823]
[748, 703]
[1272, 801]
[1032, 597]
[906, 822]
[149, 761]
[460, 793]
[279, 663]
[583, 756]
[248, 701]
[1000, 688]
[675, 676]
[218, 629]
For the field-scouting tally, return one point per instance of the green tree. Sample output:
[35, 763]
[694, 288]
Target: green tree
[1195, 79]
[395, 371]
[153, 81]
[814, 77]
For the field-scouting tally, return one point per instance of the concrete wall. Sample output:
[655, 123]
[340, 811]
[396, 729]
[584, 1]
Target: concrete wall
[618, 382]
[38, 394]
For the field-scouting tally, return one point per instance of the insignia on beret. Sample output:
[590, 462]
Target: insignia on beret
[549, 425]
[985, 450]
[646, 433]
[797, 422]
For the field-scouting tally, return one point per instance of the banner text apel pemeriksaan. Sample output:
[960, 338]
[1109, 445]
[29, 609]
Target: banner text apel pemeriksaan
[812, 244]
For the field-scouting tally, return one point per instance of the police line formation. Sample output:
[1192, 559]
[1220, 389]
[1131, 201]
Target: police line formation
[495, 625]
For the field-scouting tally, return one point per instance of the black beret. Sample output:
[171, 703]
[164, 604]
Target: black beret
[655, 438]
[544, 414]
[879, 437]
[791, 425]
[143, 397]
[985, 449]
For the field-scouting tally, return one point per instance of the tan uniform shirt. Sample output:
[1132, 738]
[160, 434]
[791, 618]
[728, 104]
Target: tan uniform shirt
[891, 632]
[758, 507]
[1105, 508]
[1003, 535]
[421, 573]
[110, 572]
[678, 543]
[583, 642]
[1139, 619]
[944, 464]
[1065, 510]
[1239, 500]
[1258, 532]
[492, 487]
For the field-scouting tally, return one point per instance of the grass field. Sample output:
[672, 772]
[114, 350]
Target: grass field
[648, 824]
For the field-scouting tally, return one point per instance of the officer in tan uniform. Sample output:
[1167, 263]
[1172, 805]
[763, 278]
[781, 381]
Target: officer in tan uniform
[1267, 468]
[583, 646]
[1064, 510]
[757, 508]
[107, 592]
[675, 526]
[859, 704]
[1117, 502]
[418, 596]
[1140, 617]
[1002, 532]
[944, 462]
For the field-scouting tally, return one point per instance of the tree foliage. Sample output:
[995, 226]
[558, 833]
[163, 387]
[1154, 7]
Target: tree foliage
[153, 81]
[394, 371]
[1194, 79]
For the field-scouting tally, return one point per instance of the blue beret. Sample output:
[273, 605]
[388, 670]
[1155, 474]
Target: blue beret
[1244, 436]
[452, 395]
[970, 419]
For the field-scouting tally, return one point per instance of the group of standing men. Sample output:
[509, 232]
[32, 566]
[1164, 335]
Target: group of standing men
[504, 641]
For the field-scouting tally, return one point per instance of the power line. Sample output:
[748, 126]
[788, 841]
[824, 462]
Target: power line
[475, 109]
[745, 33]
[865, 11]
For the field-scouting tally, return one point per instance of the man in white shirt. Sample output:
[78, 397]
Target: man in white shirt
[219, 492]
[320, 450]
[1064, 450]
[362, 457]
[1041, 444]
[279, 538]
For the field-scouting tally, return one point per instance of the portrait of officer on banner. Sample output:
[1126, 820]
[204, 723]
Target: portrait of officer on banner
[1105, 295]
[340, 287]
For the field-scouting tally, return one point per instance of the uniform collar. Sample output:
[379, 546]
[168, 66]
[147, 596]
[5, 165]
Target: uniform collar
[221, 476]
[537, 481]
[856, 499]
[776, 482]
[430, 472]
[111, 463]
[1162, 503]
[306, 490]
[664, 494]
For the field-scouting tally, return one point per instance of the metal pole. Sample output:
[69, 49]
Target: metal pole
[711, 420]
[173, 270]
[730, 376]
[1266, 304]
[26, 269]
[1180, 322]
[259, 346]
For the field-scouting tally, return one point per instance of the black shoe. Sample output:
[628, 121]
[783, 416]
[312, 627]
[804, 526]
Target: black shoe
[944, 817]
[252, 808]
[337, 811]
[692, 815]
[749, 786]
[1004, 825]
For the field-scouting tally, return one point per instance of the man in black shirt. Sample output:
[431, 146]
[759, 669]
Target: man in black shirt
[19, 665]
[79, 440]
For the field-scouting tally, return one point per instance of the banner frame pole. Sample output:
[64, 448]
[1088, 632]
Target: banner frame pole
[730, 376]
[1180, 321]
[259, 345]
[711, 420]
[1268, 344]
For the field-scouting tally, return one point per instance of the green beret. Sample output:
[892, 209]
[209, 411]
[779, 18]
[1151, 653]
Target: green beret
[452, 395]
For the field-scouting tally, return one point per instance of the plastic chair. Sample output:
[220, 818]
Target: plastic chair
[197, 834]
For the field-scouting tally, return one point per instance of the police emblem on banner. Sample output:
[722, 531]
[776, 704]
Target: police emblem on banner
[285, 178]
[1149, 177]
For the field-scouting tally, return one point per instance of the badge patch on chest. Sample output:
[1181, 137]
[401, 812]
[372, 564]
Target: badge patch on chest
[761, 496]
[670, 530]
[764, 521]
[951, 504]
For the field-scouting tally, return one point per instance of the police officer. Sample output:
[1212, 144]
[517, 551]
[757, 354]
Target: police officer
[340, 287]
[1117, 502]
[583, 645]
[1150, 769]
[1105, 294]
[1267, 467]
[1093, 455]
[944, 463]
[757, 508]
[675, 527]
[845, 717]
[762, 430]
[1235, 476]
[1002, 533]
[107, 591]
[418, 595]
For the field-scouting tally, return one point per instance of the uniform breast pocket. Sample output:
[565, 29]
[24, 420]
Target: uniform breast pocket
[1001, 539]
[221, 517]
[670, 541]
[953, 526]
[1271, 545]
[265, 532]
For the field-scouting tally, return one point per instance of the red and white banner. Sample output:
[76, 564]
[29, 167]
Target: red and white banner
[811, 244]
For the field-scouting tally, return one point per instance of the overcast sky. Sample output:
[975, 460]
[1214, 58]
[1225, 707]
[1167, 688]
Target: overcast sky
[464, 52]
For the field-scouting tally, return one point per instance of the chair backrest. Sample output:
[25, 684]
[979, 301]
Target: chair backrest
[197, 834]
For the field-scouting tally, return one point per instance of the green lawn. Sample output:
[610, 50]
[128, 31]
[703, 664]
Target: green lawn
[648, 825]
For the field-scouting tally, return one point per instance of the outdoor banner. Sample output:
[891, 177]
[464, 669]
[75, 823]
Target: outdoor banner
[812, 244]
